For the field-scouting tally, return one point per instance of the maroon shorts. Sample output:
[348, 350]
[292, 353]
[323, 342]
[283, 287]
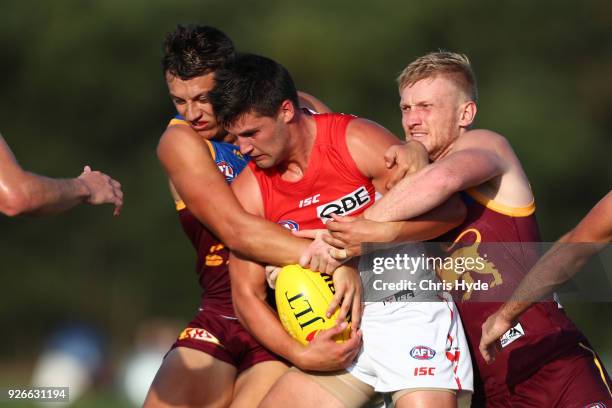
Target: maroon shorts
[224, 338]
[575, 379]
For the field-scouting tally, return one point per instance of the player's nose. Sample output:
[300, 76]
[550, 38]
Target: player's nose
[245, 146]
[193, 112]
[412, 119]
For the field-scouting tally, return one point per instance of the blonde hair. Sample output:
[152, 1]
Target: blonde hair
[454, 66]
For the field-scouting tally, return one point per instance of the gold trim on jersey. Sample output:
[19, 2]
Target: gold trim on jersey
[176, 121]
[211, 148]
[598, 364]
[180, 205]
[499, 207]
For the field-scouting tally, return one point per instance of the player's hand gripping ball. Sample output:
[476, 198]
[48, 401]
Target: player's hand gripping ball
[302, 299]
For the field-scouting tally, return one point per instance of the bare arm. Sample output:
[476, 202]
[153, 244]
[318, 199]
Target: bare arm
[201, 186]
[22, 192]
[349, 233]
[436, 222]
[557, 266]
[563, 260]
[426, 189]
[249, 298]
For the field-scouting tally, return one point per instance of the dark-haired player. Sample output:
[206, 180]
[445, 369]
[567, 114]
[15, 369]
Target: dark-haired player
[303, 168]
[214, 362]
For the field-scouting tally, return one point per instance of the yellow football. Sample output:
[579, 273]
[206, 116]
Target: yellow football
[302, 298]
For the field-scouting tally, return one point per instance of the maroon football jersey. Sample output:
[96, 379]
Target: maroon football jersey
[213, 256]
[505, 240]
[211, 264]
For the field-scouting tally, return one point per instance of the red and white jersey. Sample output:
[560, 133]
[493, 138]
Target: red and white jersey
[332, 182]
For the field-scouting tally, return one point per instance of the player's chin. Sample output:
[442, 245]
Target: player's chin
[264, 162]
[214, 133]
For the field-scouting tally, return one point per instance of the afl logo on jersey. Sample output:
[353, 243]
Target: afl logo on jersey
[290, 225]
[226, 169]
[344, 205]
[422, 353]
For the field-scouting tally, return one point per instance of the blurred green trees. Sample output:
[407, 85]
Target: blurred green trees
[81, 84]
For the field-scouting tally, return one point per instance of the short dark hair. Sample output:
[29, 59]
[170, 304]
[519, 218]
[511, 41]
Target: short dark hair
[251, 83]
[194, 50]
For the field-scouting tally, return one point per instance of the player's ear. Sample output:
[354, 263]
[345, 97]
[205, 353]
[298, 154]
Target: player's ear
[467, 113]
[287, 111]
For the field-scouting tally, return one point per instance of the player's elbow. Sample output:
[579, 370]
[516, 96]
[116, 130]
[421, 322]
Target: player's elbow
[235, 241]
[13, 202]
[237, 236]
[446, 181]
[243, 300]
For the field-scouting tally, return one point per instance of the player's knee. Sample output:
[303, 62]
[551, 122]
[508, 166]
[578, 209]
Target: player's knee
[285, 388]
[417, 399]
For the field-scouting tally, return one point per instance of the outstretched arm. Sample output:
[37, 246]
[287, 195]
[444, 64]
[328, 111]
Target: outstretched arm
[557, 266]
[349, 233]
[22, 192]
[428, 188]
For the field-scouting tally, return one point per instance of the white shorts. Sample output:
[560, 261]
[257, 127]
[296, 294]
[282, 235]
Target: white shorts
[413, 345]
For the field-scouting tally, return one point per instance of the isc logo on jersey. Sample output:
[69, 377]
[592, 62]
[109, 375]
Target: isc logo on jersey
[227, 170]
[344, 205]
[422, 353]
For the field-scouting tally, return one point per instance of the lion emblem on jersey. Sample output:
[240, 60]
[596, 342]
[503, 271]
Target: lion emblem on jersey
[448, 274]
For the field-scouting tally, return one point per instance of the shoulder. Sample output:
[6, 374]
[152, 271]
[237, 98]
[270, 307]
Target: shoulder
[483, 139]
[369, 133]
[178, 131]
[181, 139]
[367, 142]
[366, 139]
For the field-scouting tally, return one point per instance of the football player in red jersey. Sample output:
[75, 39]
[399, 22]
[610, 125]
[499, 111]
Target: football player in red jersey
[215, 363]
[23, 192]
[304, 168]
[544, 350]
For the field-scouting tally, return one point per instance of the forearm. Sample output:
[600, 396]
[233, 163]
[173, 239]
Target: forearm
[256, 238]
[430, 225]
[420, 229]
[556, 267]
[262, 322]
[412, 196]
[38, 195]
